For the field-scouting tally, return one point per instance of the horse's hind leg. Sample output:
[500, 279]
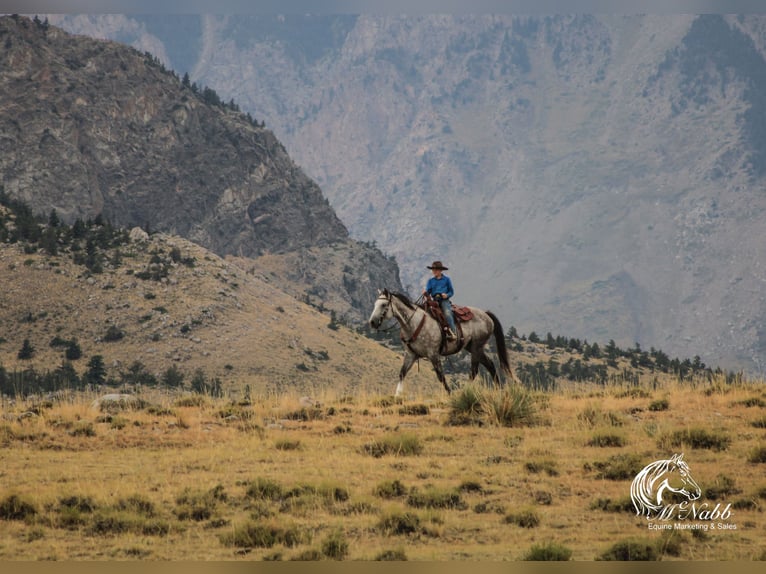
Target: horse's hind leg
[436, 362]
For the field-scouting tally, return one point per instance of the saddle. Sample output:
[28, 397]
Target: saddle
[461, 314]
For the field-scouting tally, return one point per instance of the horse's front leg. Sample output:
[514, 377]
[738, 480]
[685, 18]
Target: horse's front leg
[409, 360]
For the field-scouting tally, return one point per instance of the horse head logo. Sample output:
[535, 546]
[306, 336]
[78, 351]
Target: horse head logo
[660, 479]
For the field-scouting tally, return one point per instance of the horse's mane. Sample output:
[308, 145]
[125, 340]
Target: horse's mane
[404, 299]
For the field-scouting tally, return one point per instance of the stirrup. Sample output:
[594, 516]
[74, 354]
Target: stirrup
[451, 336]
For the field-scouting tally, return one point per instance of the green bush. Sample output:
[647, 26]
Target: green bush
[390, 489]
[335, 546]
[550, 551]
[510, 407]
[630, 551]
[14, 507]
[659, 405]
[400, 523]
[609, 505]
[757, 455]
[538, 466]
[524, 518]
[420, 410]
[137, 503]
[435, 498]
[619, 467]
[264, 489]
[607, 440]
[403, 444]
[466, 407]
[694, 438]
[257, 535]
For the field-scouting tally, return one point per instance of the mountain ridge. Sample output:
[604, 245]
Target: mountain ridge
[590, 174]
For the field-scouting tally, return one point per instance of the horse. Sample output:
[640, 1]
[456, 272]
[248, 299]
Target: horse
[421, 335]
[656, 479]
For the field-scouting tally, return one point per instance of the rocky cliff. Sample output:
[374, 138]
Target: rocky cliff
[95, 127]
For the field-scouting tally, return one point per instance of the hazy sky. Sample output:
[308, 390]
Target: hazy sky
[381, 6]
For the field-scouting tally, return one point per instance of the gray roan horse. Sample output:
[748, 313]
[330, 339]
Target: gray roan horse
[422, 336]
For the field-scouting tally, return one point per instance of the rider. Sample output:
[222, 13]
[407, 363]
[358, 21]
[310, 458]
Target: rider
[439, 287]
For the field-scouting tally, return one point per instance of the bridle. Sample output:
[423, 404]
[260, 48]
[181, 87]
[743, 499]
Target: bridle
[404, 322]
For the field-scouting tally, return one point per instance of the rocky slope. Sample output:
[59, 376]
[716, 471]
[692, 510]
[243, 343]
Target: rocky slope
[600, 176]
[95, 127]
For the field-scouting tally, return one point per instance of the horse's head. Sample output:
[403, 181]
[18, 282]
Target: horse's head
[679, 480]
[382, 309]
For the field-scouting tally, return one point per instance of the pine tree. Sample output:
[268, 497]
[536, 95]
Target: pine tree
[96, 373]
[27, 351]
[73, 351]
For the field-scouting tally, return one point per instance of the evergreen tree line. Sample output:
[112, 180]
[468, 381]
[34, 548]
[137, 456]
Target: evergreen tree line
[22, 383]
[88, 241]
[544, 375]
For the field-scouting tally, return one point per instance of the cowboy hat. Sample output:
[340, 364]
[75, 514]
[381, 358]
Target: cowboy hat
[437, 265]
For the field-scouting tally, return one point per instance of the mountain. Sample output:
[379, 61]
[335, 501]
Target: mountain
[96, 127]
[598, 175]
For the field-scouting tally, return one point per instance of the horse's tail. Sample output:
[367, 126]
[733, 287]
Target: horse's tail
[502, 352]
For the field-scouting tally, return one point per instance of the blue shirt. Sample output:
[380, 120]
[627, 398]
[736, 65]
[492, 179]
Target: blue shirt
[438, 286]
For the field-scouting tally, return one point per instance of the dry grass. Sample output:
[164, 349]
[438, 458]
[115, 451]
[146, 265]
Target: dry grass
[191, 481]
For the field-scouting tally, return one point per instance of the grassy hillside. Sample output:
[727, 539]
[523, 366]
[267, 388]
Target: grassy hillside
[168, 303]
[364, 477]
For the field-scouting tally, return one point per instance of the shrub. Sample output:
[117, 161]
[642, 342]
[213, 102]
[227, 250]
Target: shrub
[538, 466]
[400, 523]
[609, 505]
[390, 489]
[435, 498]
[524, 518]
[759, 423]
[619, 467]
[80, 503]
[199, 505]
[466, 407]
[286, 444]
[83, 428]
[694, 438]
[391, 555]
[550, 551]
[257, 535]
[113, 333]
[607, 440]
[403, 444]
[420, 410]
[137, 503]
[659, 405]
[111, 521]
[263, 489]
[757, 455]
[335, 546]
[510, 407]
[630, 551]
[14, 507]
